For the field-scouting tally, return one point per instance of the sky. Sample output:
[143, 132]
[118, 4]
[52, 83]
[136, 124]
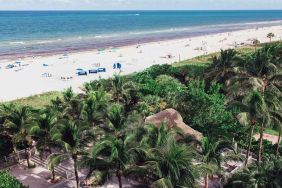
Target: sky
[139, 4]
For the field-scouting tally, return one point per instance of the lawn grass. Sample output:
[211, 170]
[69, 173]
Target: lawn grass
[37, 101]
[271, 132]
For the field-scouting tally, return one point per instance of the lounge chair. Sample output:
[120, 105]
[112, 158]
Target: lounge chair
[82, 73]
[10, 66]
[101, 69]
[93, 71]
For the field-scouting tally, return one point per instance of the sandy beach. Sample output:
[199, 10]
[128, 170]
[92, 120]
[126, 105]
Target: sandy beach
[35, 75]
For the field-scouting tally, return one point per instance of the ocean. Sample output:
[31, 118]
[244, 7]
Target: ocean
[28, 33]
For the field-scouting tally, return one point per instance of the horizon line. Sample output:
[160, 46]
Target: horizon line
[141, 10]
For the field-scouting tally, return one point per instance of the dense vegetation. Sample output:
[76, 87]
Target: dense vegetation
[103, 129]
[7, 181]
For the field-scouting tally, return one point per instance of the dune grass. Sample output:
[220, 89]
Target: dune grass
[37, 101]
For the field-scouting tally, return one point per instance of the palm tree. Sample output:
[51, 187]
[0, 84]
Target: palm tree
[212, 157]
[165, 158]
[222, 66]
[42, 130]
[94, 107]
[18, 120]
[73, 109]
[270, 36]
[260, 73]
[73, 138]
[254, 107]
[68, 94]
[256, 42]
[124, 92]
[115, 143]
[118, 148]
[171, 165]
[277, 122]
[266, 174]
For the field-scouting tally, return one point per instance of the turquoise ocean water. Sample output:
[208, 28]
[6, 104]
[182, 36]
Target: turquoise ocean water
[24, 33]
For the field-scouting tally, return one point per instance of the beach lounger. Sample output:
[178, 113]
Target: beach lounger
[82, 73]
[10, 66]
[101, 69]
[93, 71]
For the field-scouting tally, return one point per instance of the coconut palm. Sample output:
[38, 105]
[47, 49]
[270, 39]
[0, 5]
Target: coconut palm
[18, 120]
[68, 94]
[222, 66]
[94, 107]
[124, 92]
[170, 164]
[277, 122]
[57, 105]
[253, 108]
[41, 131]
[116, 147]
[266, 174]
[73, 138]
[73, 109]
[256, 42]
[259, 71]
[115, 142]
[270, 36]
[212, 157]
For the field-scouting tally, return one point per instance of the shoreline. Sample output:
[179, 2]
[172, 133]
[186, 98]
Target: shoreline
[11, 57]
[28, 80]
[131, 41]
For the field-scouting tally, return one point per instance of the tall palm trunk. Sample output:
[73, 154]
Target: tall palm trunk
[260, 144]
[75, 170]
[53, 168]
[119, 179]
[249, 144]
[278, 143]
[27, 156]
[207, 181]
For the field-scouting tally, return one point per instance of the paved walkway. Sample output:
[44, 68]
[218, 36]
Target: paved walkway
[34, 178]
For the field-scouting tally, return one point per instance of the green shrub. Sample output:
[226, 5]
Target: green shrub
[8, 181]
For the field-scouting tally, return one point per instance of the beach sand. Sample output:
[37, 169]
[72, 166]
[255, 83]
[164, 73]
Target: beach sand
[27, 78]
